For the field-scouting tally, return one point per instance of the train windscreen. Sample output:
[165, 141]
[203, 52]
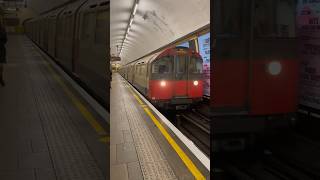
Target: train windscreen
[163, 65]
[274, 19]
[195, 65]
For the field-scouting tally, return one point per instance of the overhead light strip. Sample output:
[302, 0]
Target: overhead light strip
[129, 25]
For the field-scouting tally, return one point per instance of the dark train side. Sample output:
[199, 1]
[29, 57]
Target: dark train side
[76, 36]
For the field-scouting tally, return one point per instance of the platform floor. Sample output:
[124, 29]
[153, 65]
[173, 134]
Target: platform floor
[43, 134]
[138, 149]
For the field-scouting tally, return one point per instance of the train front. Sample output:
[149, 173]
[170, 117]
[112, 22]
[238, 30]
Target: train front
[176, 79]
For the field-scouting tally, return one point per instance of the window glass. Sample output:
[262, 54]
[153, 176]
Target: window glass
[228, 17]
[163, 66]
[142, 69]
[274, 18]
[69, 27]
[87, 25]
[181, 64]
[195, 65]
[101, 27]
[60, 27]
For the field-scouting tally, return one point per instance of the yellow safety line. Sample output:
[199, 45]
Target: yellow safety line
[105, 139]
[184, 157]
[84, 111]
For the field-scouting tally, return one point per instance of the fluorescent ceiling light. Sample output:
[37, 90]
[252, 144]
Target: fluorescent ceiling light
[135, 9]
[131, 21]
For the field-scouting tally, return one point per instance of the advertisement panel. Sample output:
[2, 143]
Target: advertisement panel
[308, 22]
[204, 50]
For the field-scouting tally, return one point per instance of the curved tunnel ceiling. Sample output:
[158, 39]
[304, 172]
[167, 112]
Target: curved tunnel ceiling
[155, 24]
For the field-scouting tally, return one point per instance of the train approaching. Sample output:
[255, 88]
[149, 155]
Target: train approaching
[76, 36]
[170, 79]
[255, 75]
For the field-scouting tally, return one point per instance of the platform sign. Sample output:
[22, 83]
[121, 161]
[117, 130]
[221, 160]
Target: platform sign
[204, 50]
[308, 23]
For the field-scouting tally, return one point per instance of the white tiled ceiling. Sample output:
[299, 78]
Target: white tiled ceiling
[156, 23]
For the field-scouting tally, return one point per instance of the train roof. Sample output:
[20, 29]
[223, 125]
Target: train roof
[71, 8]
[168, 51]
[93, 5]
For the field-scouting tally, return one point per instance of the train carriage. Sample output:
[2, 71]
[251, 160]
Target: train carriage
[171, 78]
[91, 50]
[66, 41]
[255, 66]
[77, 38]
[52, 30]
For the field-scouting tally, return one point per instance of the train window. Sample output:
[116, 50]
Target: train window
[87, 25]
[68, 25]
[228, 17]
[163, 65]
[181, 64]
[140, 70]
[101, 27]
[195, 65]
[60, 27]
[274, 19]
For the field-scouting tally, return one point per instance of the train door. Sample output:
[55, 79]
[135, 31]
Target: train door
[195, 76]
[181, 76]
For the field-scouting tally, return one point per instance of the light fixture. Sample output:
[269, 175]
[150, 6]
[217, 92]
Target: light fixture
[274, 68]
[130, 23]
[135, 8]
[163, 83]
[195, 83]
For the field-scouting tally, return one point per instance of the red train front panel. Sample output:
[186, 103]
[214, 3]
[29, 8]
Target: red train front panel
[271, 90]
[274, 87]
[169, 89]
[181, 80]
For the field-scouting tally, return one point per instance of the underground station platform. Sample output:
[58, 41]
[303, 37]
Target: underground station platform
[144, 144]
[48, 129]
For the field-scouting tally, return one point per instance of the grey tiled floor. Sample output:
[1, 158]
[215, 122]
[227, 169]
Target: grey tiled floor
[42, 135]
[135, 153]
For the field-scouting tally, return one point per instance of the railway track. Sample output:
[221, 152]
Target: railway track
[285, 156]
[259, 166]
[197, 127]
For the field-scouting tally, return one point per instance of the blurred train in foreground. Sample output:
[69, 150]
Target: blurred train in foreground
[255, 69]
[76, 36]
[171, 78]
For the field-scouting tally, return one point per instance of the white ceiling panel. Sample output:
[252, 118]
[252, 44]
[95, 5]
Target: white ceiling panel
[156, 23]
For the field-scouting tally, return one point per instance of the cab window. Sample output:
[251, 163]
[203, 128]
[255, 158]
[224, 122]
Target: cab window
[163, 65]
[195, 65]
[228, 16]
[274, 19]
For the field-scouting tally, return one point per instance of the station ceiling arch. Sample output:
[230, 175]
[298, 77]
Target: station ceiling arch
[154, 24]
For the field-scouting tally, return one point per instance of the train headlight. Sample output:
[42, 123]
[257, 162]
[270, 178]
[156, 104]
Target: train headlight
[195, 83]
[163, 83]
[274, 68]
